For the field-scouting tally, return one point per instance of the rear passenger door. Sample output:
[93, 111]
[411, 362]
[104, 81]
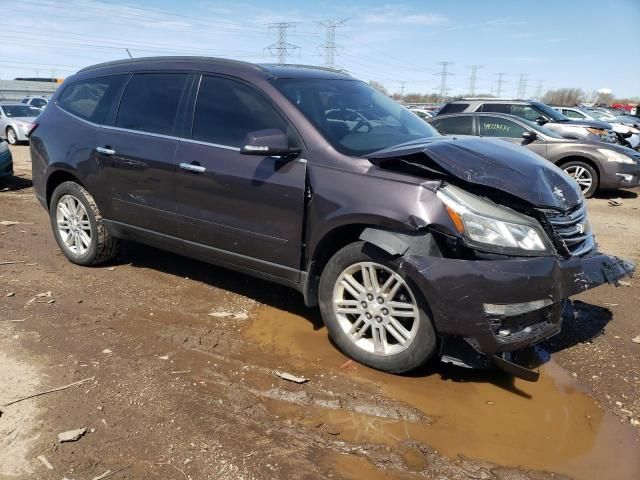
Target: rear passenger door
[233, 208]
[136, 153]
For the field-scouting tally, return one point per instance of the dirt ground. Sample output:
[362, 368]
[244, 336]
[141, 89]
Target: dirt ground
[181, 359]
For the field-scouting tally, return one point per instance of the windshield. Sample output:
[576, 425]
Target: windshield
[355, 118]
[539, 129]
[550, 112]
[20, 111]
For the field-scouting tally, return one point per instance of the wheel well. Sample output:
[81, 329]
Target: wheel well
[566, 160]
[329, 244]
[56, 178]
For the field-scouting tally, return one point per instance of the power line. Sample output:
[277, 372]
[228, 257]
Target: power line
[443, 74]
[500, 82]
[472, 78]
[539, 90]
[330, 42]
[522, 85]
[281, 48]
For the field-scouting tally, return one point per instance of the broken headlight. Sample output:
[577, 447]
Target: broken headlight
[487, 226]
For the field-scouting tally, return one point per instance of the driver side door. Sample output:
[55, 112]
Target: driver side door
[490, 126]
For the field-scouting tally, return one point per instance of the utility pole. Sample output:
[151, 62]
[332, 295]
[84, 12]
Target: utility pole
[443, 79]
[522, 86]
[539, 90]
[329, 45]
[472, 78]
[281, 48]
[499, 85]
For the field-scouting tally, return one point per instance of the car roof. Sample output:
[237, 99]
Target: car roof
[490, 99]
[209, 63]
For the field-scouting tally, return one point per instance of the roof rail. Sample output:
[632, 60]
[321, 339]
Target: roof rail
[185, 58]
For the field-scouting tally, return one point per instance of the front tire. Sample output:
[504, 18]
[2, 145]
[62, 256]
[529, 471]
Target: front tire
[374, 313]
[78, 227]
[12, 136]
[585, 176]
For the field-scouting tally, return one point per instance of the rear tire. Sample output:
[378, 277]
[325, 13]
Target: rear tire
[584, 174]
[78, 227]
[386, 328]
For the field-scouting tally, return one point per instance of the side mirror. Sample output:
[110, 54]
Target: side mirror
[268, 143]
[529, 136]
[541, 120]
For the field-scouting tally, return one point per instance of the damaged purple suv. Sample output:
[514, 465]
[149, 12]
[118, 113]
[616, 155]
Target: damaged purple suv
[413, 245]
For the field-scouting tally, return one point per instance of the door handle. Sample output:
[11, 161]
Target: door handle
[192, 168]
[105, 151]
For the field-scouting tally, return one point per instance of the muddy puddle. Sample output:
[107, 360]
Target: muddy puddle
[550, 425]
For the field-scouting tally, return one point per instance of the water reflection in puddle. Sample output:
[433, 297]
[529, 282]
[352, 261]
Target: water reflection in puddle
[549, 425]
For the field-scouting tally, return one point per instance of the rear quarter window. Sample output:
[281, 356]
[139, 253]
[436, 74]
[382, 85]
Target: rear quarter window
[453, 108]
[91, 99]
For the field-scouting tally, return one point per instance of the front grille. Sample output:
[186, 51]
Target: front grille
[571, 229]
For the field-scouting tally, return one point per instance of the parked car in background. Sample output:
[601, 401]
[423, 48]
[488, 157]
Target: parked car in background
[626, 134]
[16, 120]
[542, 114]
[593, 165]
[6, 161]
[36, 102]
[422, 113]
[410, 242]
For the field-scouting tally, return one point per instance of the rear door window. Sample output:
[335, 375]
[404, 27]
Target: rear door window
[453, 108]
[150, 102]
[91, 99]
[500, 127]
[227, 110]
[454, 125]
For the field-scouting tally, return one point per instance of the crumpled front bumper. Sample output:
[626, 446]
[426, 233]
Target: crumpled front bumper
[458, 290]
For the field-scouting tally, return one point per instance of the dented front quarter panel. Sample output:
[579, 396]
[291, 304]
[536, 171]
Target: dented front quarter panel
[457, 290]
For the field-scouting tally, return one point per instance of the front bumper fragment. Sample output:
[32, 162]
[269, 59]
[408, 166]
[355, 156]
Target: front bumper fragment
[457, 291]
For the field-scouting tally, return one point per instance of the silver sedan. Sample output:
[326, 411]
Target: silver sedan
[15, 121]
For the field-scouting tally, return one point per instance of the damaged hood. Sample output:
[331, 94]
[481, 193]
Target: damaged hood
[487, 162]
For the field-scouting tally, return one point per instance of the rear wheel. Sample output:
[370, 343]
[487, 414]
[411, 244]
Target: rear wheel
[78, 227]
[585, 176]
[12, 136]
[374, 313]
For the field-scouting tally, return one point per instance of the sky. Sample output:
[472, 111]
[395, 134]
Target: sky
[588, 44]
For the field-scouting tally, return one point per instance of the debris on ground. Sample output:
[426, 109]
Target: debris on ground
[58, 389]
[107, 350]
[72, 435]
[615, 202]
[234, 316]
[624, 284]
[42, 295]
[292, 378]
[12, 263]
[10, 294]
[636, 339]
[45, 462]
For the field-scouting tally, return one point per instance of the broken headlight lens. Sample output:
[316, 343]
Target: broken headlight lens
[485, 225]
[613, 156]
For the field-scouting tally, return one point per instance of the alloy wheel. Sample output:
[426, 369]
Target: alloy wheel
[73, 225]
[581, 175]
[376, 308]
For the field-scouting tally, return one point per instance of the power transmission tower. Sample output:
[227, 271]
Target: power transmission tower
[522, 86]
[499, 85]
[402, 84]
[281, 48]
[472, 78]
[330, 43]
[443, 79]
[539, 90]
